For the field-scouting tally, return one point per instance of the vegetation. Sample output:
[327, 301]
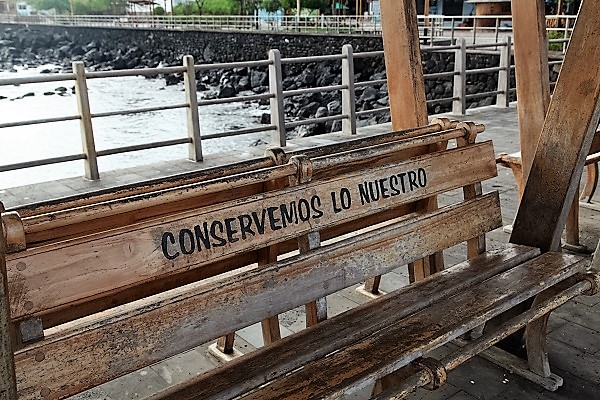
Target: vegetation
[556, 35]
[189, 7]
[61, 6]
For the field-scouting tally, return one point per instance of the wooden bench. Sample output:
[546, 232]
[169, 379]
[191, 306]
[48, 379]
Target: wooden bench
[199, 265]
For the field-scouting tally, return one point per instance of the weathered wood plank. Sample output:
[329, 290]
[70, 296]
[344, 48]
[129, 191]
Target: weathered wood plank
[122, 258]
[120, 342]
[390, 349]
[140, 188]
[403, 63]
[568, 131]
[8, 387]
[358, 323]
[532, 75]
[51, 222]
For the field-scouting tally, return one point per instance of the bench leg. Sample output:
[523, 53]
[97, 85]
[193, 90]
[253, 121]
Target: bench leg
[591, 183]
[316, 311]
[8, 381]
[572, 230]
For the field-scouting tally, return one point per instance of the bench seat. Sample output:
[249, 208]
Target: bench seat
[381, 336]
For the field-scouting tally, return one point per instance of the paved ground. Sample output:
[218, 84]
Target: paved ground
[574, 339]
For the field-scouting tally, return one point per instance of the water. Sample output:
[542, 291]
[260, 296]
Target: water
[56, 139]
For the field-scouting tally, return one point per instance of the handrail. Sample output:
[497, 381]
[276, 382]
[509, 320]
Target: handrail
[478, 27]
[279, 123]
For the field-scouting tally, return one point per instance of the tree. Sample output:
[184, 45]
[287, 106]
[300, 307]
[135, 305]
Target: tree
[321, 5]
[61, 6]
[200, 5]
[271, 6]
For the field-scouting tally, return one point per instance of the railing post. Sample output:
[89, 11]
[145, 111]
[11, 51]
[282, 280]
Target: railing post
[497, 30]
[566, 35]
[348, 94]
[276, 89]
[503, 99]
[8, 380]
[459, 105]
[85, 122]
[193, 119]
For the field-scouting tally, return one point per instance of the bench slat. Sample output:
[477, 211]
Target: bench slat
[358, 323]
[90, 354]
[389, 349]
[56, 277]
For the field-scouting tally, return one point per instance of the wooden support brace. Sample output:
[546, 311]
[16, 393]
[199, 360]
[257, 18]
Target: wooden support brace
[574, 109]
[476, 245]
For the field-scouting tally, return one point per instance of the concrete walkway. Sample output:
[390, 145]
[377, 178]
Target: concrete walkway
[574, 339]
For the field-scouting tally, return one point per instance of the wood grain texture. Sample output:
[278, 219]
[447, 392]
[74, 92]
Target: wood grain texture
[58, 275]
[390, 349]
[340, 331]
[406, 86]
[568, 131]
[103, 349]
[8, 387]
[138, 188]
[532, 75]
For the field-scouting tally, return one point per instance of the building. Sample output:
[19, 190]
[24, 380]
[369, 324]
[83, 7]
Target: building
[437, 7]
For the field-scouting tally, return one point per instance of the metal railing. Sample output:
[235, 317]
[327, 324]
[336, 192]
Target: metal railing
[478, 29]
[276, 94]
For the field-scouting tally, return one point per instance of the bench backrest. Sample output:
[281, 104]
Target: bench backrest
[70, 278]
[76, 215]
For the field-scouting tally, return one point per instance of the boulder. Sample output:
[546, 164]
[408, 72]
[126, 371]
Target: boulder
[226, 91]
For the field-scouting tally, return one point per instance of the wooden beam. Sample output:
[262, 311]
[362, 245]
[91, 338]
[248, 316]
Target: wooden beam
[406, 88]
[532, 75]
[565, 141]
[403, 63]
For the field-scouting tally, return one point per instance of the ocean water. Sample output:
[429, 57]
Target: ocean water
[32, 142]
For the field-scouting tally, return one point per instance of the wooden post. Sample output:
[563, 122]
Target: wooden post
[406, 89]
[565, 141]
[8, 381]
[277, 112]
[87, 132]
[193, 119]
[532, 75]
[403, 64]
[459, 105]
[348, 94]
[503, 99]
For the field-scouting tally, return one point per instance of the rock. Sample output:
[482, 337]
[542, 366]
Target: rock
[309, 110]
[243, 84]
[240, 71]
[370, 94]
[226, 91]
[307, 78]
[334, 107]
[260, 89]
[172, 79]
[258, 78]
[119, 63]
[258, 142]
[201, 87]
[265, 118]
[322, 112]
[311, 130]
